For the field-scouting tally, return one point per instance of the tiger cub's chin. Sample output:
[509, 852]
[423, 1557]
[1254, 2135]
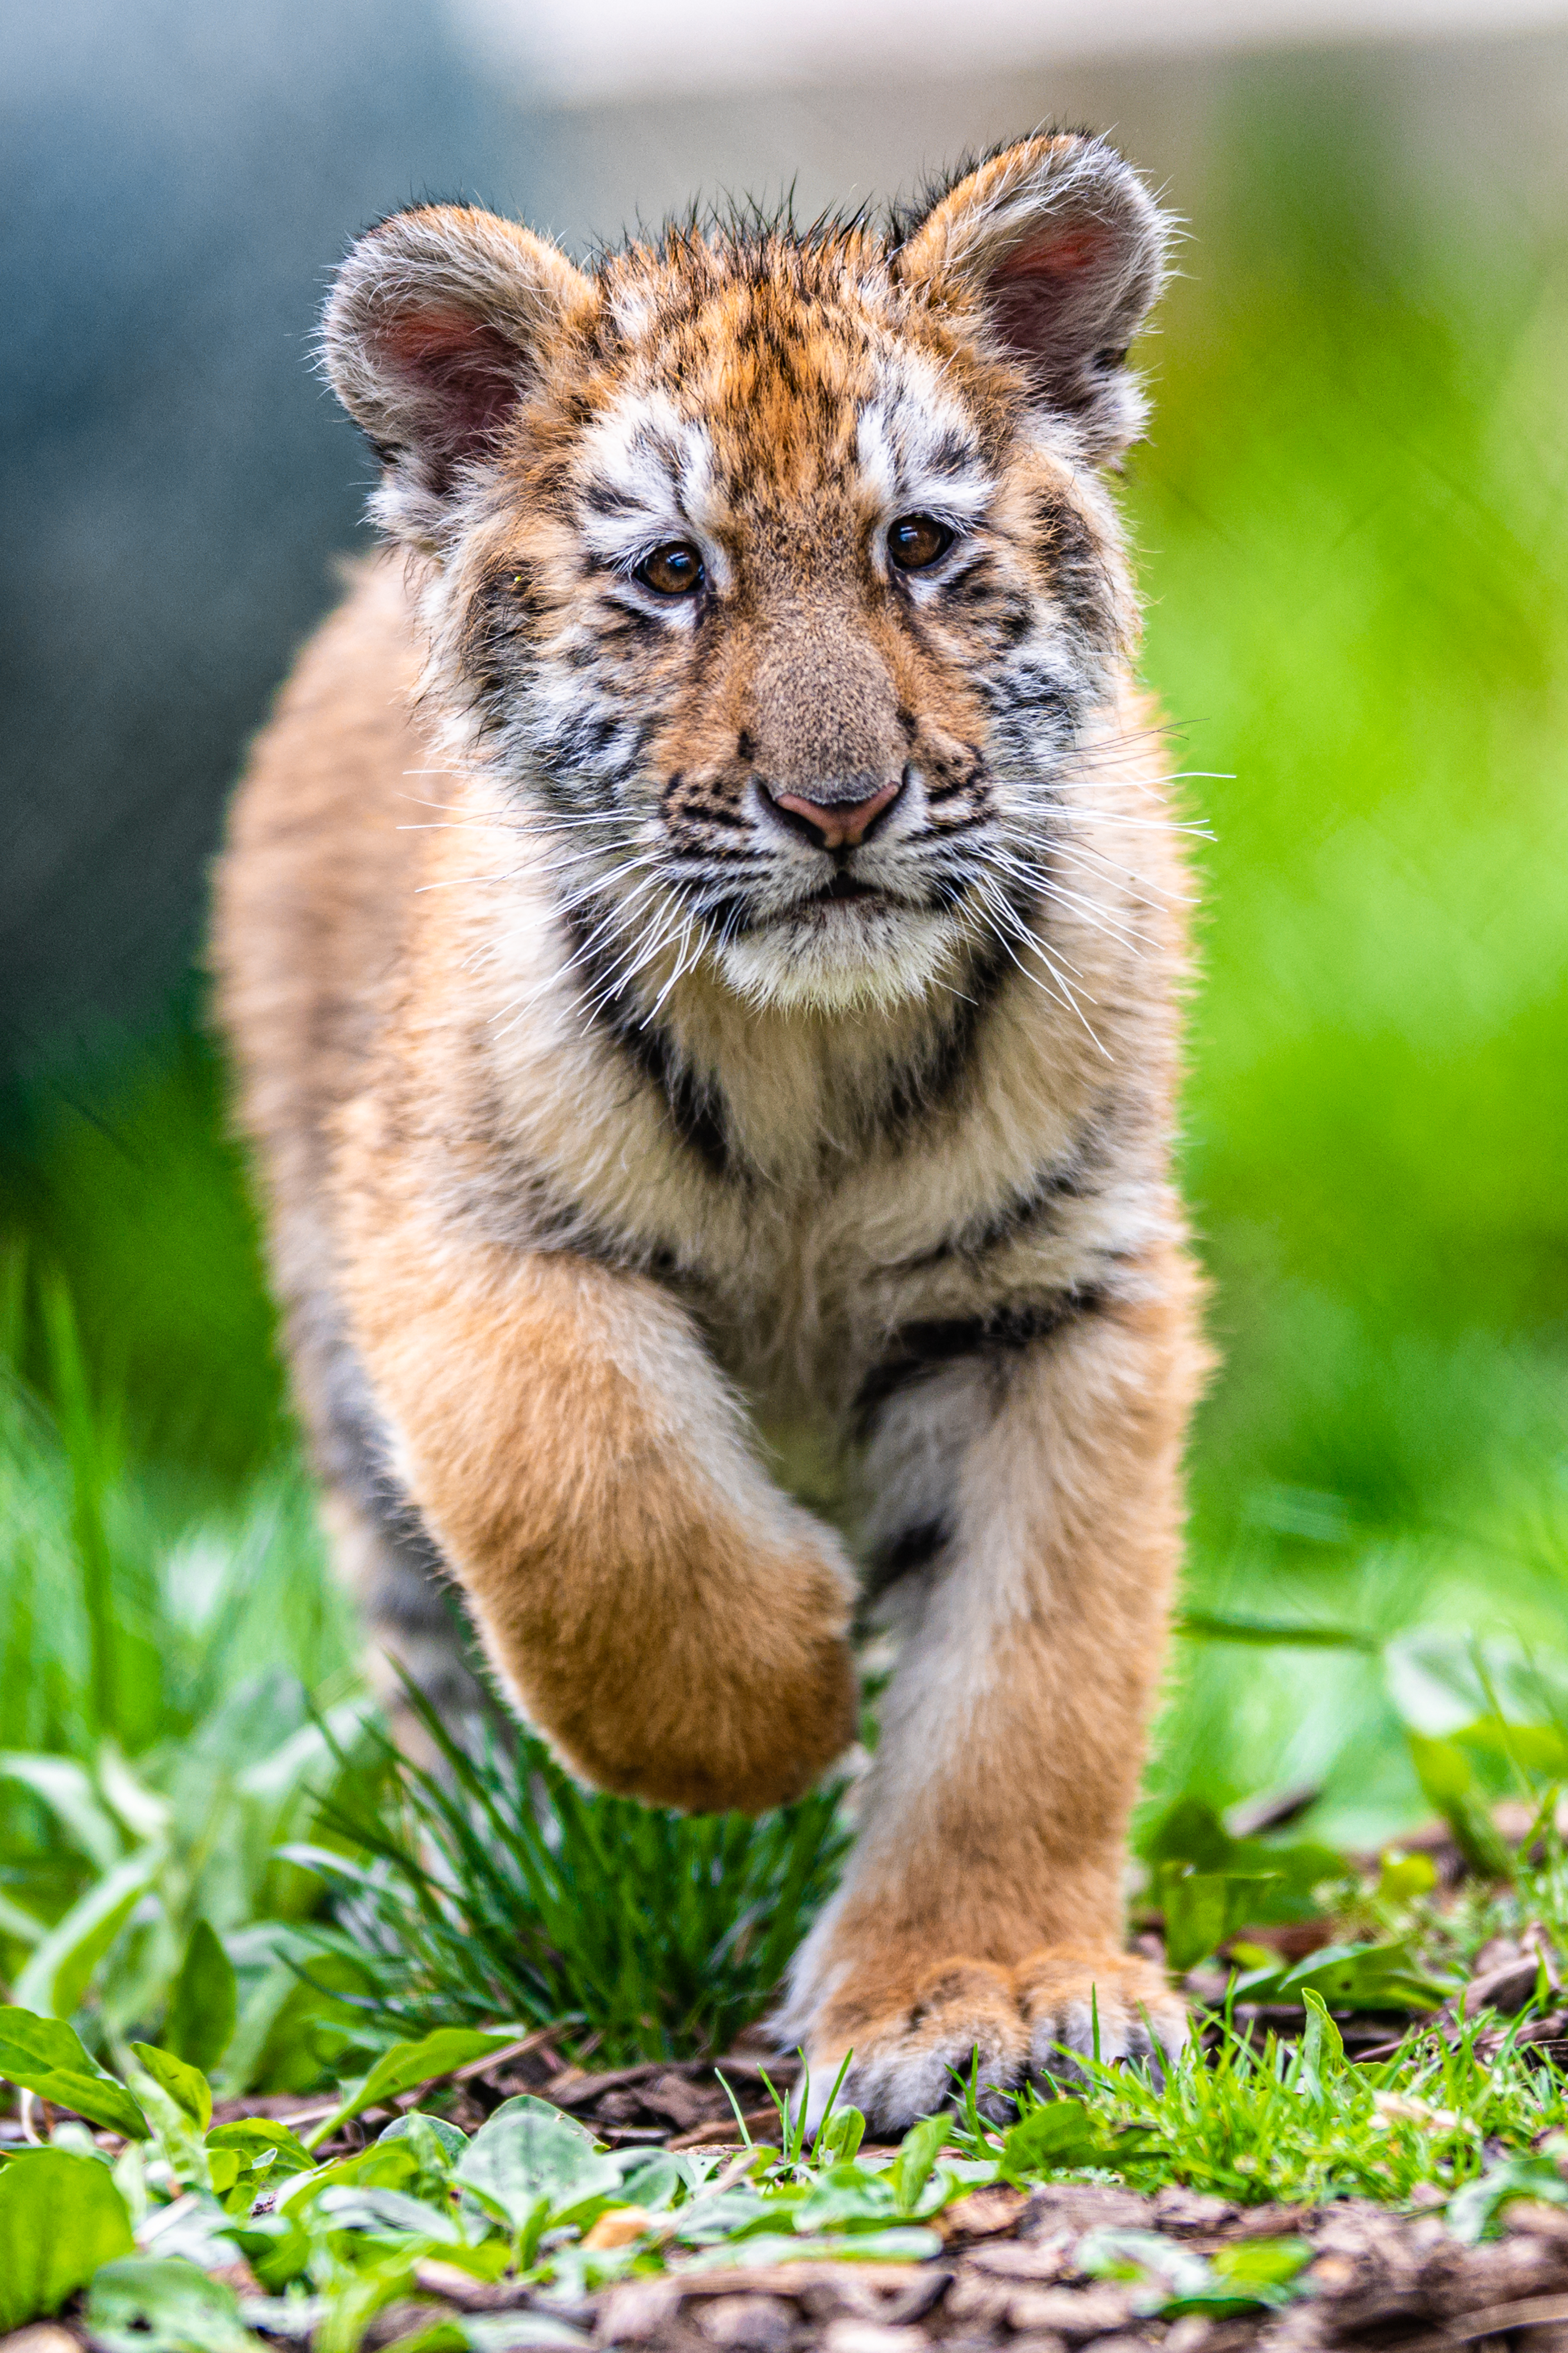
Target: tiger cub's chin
[839, 957]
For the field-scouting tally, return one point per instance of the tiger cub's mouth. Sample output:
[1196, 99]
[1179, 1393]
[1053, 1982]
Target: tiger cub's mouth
[841, 890]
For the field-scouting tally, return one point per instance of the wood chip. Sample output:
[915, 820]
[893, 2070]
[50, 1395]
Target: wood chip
[981, 2214]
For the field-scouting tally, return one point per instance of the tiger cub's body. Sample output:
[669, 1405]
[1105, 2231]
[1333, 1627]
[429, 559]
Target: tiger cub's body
[738, 993]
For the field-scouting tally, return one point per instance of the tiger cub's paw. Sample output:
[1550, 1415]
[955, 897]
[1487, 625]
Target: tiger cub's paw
[1027, 2023]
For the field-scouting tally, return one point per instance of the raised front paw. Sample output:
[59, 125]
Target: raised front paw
[741, 1705]
[911, 2052]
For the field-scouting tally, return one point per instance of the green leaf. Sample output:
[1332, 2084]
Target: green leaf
[15, 1922]
[67, 1789]
[841, 2137]
[1211, 1626]
[59, 1971]
[1264, 2266]
[187, 2085]
[1203, 1908]
[1321, 2055]
[1108, 2254]
[1349, 1977]
[651, 2178]
[252, 2137]
[148, 2304]
[1448, 1780]
[1401, 1878]
[436, 2143]
[46, 2055]
[60, 2218]
[531, 2164]
[1473, 2210]
[1189, 1831]
[408, 2064]
[847, 2195]
[204, 2002]
[918, 2153]
[1055, 2135]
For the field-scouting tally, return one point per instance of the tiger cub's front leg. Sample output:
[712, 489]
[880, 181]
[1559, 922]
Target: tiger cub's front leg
[1034, 1459]
[671, 1622]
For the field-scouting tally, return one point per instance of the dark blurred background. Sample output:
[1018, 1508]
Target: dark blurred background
[1353, 535]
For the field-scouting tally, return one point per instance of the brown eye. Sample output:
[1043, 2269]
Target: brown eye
[917, 542]
[673, 570]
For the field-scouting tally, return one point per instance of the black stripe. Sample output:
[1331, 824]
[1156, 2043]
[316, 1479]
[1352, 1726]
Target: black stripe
[920, 1350]
[1073, 1178]
[930, 1078]
[901, 1556]
[696, 1108]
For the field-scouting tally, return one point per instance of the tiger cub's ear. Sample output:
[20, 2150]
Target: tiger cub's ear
[432, 332]
[1063, 248]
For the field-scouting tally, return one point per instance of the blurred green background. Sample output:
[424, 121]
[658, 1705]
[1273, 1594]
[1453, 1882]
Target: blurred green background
[1354, 544]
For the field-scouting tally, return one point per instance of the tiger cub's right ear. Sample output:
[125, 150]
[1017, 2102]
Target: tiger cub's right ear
[432, 333]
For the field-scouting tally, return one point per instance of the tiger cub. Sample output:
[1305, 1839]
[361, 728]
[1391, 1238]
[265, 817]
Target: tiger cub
[700, 939]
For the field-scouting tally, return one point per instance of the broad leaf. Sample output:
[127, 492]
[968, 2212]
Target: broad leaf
[203, 2001]
[59, 1971]
[529, 2162]
[848, 2196]
[1202, 1908]
[1349, 1977]
[1448, 1780]
[918, 2152]
[841, 2136]
[1190, 1838]
[251, 2139]
[450, 2138]
[153, 2305]
[67, 1789]
[46, 2055]
[187, 2085]
[1474, 2209]
[407, 2065]
[1050, 2139]
[384, 2165]
[60, 2218]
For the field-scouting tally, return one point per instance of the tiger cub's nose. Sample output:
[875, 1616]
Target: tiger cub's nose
[839, 821]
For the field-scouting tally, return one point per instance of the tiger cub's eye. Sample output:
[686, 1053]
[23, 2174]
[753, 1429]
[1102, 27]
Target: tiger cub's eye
[673, 570]
[917, 542]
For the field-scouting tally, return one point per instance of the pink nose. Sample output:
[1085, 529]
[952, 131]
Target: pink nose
[842, 824]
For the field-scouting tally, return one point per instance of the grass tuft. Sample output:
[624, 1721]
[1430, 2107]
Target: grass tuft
[498, 1888]
[1298, 2123]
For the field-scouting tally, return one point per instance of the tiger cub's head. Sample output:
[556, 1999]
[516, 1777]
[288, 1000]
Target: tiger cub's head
[774, 573]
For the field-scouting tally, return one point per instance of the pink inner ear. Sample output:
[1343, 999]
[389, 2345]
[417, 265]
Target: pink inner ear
[470, 369]
[1039, 295]
[1061, 253]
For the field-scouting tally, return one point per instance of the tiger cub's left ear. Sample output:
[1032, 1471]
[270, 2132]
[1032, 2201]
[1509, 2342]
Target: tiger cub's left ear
[1062, 250]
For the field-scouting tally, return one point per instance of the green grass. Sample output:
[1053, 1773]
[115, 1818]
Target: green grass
[495, 1887]
[1294, 2123]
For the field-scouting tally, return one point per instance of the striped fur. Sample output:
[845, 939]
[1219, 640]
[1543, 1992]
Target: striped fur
[618, 1130]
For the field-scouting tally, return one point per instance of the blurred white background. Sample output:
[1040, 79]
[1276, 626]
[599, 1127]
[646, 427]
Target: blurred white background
[627, 48]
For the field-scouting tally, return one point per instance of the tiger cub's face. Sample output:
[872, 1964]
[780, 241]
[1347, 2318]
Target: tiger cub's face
[776, 574]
